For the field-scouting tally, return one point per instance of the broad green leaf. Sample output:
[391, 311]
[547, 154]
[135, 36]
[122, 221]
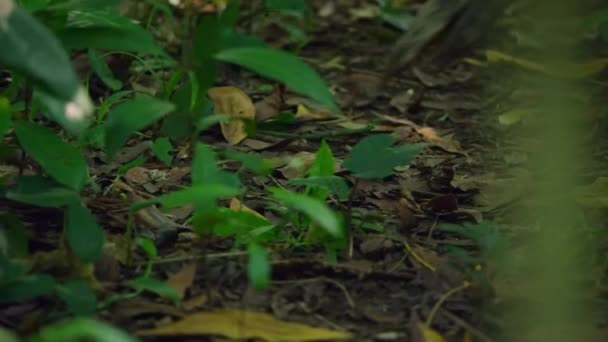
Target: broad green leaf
[129, 117]
[334, 184]
[206, 172]
[282, 67]
[34, 6]
[31, 49]
[81, 5]
[258, 268]
[106, 30]
[374, 157]
[199, 195]
[233, 39]
[5, 116]
[148, 246]
[245, 227]
[42, 192]
[16, 237]
[311, 207]
[207, 42]
[113, 99]
[103, 71]
[62, 161]
[156, 286]
[84, 234]
[250, 161]
[207, 122]
[74, 115]
[79, 297]
[299, 9]
[324, 164]
[82, 329]
[162, 149]
[26, 288]
[230, 15]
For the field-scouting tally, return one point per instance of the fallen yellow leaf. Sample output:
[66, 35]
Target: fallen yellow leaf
[304, 113]
[428, 334]
[237, 324]
[233, 102]
[236, 205]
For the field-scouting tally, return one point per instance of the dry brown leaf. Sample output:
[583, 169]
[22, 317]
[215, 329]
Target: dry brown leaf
[137, 175]
[182, 280]
[233, 102]
[195, 302]
[429, 134]
[236, 205]
[270, 106]
[238, 324]
[298, 165]
[257, 145]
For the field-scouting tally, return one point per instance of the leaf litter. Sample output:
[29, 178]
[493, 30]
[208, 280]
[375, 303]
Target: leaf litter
[402, 266]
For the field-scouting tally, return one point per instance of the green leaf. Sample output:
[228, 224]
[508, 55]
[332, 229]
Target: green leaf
[16, 236]
[156, 286]
[207, 122]
[258, 268]
[77, 119]
[42, 192]
[311, 207]
[60, 160]
[26, 288]
[31, 49]
[282, 67]
[148, 246]
[334, 184]
[82, 329]
[230, 15]
[129, 117]
[206, 172]
[324, 164]
[84, 234]
[79, 297]
[374, 157]
[162, 148]
[113, 99]
[105, 30]
[244, 226]
[299, 9]
[252, 162]
[199, 196]
[5, 116]
[103, 71]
